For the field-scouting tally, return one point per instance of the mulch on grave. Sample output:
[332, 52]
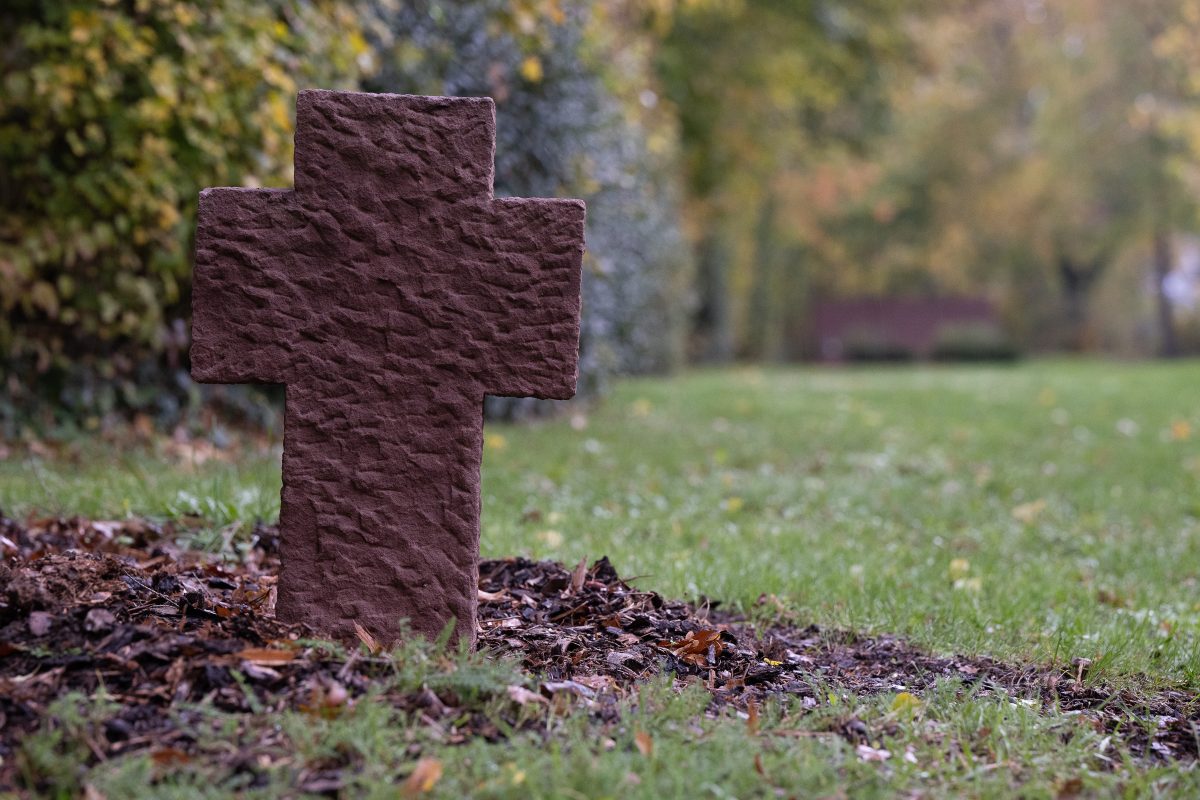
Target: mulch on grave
[85, 604]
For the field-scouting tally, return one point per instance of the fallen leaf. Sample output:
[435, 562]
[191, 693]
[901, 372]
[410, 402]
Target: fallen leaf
[906, 703]
[700, 648]
[326, 699]
[868, 753]
[1071, 787]
[572, 687]
[264, 655]
[99, 620]
[260, 674]
[645, 744]
[367, 639]
[523, 697]
[166, 756]
[596, 682]
[552, 538]
[622, 659]
[1027, 513]
[969, 584]
[579, 575]
[424, 776]
[39, 623]
[959, 569]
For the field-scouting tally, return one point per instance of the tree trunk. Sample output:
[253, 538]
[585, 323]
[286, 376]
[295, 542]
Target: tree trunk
[1078, 278]
[762, 334]
[1168, 345]
[713, 325]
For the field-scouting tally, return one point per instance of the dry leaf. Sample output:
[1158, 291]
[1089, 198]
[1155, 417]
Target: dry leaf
[367, 639]
[571, 687]
[166, 756]
[959, 569]
[99, 620]
[259, 673]
[700, 648]
[1027, 513]
[1071, 787]
[579, 575]
[424, 776]
[39, 623]
[522, 696]
[596, 682]
[868, 753]
[326, 699]
[263, 655]
[645, 744]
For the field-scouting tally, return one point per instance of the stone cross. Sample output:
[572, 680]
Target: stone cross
[388, 292]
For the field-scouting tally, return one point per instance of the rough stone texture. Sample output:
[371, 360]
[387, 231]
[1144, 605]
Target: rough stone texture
[389, 292]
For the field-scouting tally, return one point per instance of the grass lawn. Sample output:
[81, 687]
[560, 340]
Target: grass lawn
[1041, 513]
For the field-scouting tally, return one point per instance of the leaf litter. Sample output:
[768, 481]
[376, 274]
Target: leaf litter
[89, 606]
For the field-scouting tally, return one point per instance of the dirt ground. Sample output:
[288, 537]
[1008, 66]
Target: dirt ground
[85, 604]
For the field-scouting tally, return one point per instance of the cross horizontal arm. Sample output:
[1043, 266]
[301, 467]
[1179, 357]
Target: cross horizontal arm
[528, 316]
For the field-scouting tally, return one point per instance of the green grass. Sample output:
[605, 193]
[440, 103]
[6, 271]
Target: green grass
[1043, 512]
[990, 749]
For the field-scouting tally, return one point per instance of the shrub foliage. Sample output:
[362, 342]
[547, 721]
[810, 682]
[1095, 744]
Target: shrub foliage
[113, 114]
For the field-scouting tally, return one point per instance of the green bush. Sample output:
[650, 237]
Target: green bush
[113, 115]
[973, 343]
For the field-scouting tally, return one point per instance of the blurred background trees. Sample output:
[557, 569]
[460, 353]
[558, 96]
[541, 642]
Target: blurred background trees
[742, 160]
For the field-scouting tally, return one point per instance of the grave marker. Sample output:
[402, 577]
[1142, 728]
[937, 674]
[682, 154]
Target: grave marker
[389, 292]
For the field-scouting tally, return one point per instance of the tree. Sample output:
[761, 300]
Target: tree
[764, 91]
[1032, 154]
